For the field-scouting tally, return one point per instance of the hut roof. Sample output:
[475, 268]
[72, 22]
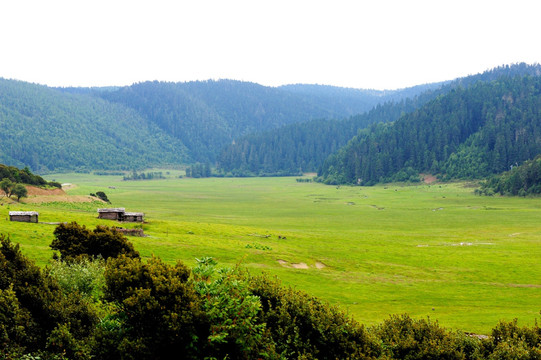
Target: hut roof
[134, 214]
[30, 213]
[109, 210]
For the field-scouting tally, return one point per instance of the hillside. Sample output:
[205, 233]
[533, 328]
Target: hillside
[46, 129]
[154, 123]
[300, 147]
[303, 147]
[471, 132]
[248, 128]
[207, 115]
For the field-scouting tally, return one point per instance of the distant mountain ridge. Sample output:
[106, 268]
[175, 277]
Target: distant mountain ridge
[163, 124]
[471, 132]
[303, 147]
[207, 115]
[148, 124]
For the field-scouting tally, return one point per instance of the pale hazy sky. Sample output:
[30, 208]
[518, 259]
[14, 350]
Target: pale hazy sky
[383, 44]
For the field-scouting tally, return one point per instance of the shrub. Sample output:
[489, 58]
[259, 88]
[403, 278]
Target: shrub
[158, 313]
[73, 240]
[232, 311]
[509, 341]
[32, 306]
[405, 338]
[302, 327]
[84, 276]
[102, 196]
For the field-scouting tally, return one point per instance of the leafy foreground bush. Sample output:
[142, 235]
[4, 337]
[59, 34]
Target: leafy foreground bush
[74, 240]
[35, 316]
[126, 308]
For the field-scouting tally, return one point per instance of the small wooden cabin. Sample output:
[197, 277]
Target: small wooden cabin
[24, 216]
[120, 214]
[111, 213]
[133, 217]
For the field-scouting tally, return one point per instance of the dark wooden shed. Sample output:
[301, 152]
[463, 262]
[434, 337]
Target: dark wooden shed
[133, 217]
[24, 216]
[111, 213]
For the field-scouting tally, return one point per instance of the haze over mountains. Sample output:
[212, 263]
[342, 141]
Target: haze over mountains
[249, 129]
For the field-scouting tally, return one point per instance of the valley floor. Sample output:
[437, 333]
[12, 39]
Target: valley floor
[431, 250]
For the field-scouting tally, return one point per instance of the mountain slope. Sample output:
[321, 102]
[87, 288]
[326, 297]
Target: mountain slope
[46, 129]
[469, 133]
[300, 147]
[304, 146]
[207, 115]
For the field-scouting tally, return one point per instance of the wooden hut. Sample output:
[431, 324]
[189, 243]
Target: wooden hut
[24, 216]
[111, 213]
[133, 217]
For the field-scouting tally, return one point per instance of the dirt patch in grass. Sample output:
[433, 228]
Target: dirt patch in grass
[37, 199]
[283, 263]
[429, 179]
[38, 195]
[300, 265]
[32, 190]
[524, 285]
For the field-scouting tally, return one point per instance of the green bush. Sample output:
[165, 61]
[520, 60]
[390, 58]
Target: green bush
[73, 240]
[32, 306]
[405, 338]
[302, 327]
[231, 310]
[159, 312]
[85, 276]
[509, 341]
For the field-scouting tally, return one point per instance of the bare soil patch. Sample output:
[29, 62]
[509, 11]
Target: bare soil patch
[429, 179]
[301, 265]
[39, 195]
[283, 263]
[59, 198]
[32, 190]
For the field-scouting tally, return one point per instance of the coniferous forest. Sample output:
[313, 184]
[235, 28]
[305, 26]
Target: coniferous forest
[468, 133]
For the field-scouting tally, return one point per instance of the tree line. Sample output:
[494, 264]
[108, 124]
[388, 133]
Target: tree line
[521, 180]
[303, 147]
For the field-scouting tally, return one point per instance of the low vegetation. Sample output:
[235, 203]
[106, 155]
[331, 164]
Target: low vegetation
[73, 240]
[124, 308]
[521, 180]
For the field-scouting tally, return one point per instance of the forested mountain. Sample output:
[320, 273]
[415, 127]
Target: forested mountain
[300, 147]
[207, 115]
[46, 129]
[469, 133]
[303, 147]
[154, 123]
[273, 130]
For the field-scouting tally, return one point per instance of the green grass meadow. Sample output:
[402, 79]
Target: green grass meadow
[428, 250]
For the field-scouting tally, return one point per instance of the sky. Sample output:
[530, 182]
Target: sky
[376, 44]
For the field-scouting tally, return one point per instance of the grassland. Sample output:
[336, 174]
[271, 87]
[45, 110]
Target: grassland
[428, 250]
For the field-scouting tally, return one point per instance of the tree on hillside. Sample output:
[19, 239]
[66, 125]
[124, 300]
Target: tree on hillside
[6, 185]
[20, 191]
